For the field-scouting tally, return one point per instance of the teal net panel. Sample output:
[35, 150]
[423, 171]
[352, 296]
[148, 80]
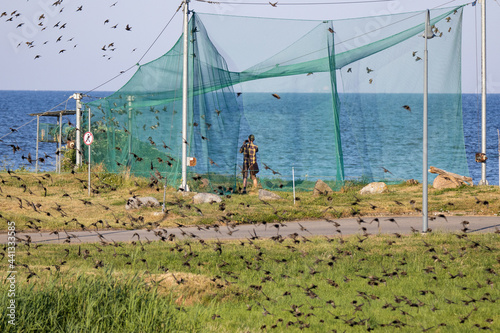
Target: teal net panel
[50, 132]
[331, 100]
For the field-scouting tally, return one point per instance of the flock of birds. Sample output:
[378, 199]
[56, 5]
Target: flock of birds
[47, 22]
[307, 287]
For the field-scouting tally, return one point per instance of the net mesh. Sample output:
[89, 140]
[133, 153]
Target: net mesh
[334, 100]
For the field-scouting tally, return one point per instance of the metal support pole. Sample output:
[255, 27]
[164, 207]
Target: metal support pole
[58, 166]
[185, 96]
[483, 91]
[78, 134]
[293, 183]
[425, 182]
[89, 151]
[130, 99]
[37, 138]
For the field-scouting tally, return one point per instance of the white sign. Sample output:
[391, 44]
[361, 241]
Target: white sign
[88, 138]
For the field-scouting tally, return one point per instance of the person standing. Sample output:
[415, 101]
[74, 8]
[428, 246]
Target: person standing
[250, 166]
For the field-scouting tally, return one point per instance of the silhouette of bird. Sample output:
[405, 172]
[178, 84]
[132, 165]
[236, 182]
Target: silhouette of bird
[386, 171]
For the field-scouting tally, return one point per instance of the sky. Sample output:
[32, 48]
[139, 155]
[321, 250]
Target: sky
[83, 45]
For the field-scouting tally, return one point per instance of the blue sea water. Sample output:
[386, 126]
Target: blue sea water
[15, 107]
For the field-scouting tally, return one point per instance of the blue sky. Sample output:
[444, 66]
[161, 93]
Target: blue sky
[97, 46]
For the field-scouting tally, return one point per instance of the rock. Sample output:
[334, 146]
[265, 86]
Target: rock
[412, 182]
[441, 182]
[206, 198]
[374, 188]
[136, 202]
[266, 195]
[321, 188]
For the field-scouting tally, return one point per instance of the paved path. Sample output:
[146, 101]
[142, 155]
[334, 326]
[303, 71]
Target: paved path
[348, 226]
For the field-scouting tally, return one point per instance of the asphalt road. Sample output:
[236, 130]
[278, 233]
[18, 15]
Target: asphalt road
[346, 226]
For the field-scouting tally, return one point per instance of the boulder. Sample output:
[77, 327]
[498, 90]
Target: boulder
[136, 202]
[412, 182]
[321, 188]
[266, 195]
[374, 188]
[206, 198]
[441, 182]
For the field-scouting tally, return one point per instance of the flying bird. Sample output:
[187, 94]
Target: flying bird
[386, 171]
[276, 96]
[407, 107]
[274, 4]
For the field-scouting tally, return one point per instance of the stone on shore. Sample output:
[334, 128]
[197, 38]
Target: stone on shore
[374, 188]
[321, 188]
[137, 202]
[441, 182]
[206, 198]
[266, 195]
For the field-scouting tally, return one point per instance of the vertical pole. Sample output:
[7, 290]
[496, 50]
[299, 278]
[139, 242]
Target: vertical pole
[185, 97]
[483, 91]
[37, 138]
[130, 99]
[58, 167]
[498, 132]
[293, 183]
[89, 151]
[425, 183]
[78, 125]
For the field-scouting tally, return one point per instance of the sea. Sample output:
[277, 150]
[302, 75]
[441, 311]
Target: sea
[18, 128]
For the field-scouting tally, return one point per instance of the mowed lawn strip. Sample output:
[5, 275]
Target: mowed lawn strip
[437, 282]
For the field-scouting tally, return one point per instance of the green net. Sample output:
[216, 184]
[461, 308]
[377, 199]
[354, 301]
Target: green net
[333, 100]
[51, 132]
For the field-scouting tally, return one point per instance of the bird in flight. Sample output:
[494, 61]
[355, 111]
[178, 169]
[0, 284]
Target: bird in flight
[407, 107]
[386, 171]
[273, 4]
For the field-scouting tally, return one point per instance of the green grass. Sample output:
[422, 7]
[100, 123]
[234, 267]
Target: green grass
[190, 286]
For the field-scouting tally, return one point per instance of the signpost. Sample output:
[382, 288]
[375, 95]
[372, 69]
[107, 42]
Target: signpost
[88, 138]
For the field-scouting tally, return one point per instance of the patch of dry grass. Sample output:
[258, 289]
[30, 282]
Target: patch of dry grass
[41, 202]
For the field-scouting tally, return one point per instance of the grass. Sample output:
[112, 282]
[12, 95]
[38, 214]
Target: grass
[445, 282]
[51, 202]
[436, 282]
